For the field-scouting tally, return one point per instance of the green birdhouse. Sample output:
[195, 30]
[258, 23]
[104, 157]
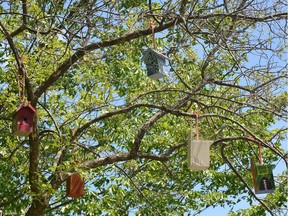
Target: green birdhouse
[262, 178]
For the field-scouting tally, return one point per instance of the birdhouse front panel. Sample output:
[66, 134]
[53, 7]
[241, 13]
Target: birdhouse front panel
[262, 178]
[155, 63]
[152, 64]
[23, 120]
[75, 186]
[198, 153]
[161, 63]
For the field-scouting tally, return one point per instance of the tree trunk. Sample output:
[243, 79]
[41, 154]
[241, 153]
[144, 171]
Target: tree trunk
[38, 206]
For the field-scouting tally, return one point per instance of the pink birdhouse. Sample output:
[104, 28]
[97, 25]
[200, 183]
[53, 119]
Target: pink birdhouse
[23, 120]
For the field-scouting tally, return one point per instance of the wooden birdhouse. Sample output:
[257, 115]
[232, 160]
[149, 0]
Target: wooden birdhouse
[262, 178]
[198, 153]
[23, 119]
[75, 186]
[155, 63]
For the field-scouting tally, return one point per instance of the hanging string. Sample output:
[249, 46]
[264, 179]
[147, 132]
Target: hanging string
[152, 26]
[260, 155]
[196, 125]
[21, 69]
[23, 86]
[18, 86]
[260, 150]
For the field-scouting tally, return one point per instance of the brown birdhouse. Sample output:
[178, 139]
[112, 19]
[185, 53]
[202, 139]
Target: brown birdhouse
[75, 186]
[23, 120]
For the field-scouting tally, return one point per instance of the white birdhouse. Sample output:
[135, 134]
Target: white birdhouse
[198, 153]
[155, 63]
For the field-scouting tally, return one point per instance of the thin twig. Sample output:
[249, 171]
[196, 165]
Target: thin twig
[137, 188]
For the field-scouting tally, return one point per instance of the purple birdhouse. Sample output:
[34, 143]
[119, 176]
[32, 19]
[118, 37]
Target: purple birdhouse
[23, 120]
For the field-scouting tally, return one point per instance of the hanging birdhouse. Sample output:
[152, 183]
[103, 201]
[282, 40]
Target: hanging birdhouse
[155, 63]
[23, 120]
[262, 178]
[75, 186]
[198, 153]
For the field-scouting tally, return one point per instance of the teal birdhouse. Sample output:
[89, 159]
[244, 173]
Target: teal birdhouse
[262, 178]
[155, 63]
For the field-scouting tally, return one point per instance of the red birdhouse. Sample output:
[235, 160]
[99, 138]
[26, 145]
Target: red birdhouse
[75, 186]
[23, 120]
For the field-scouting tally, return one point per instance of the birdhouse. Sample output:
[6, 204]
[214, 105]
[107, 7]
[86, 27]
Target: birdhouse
[75, 186]
[198, 153]
[155, 63]
[262, 178]
[23, 120]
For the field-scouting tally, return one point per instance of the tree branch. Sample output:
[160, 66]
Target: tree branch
[183, 4]
[21, 68]
[24, 20]
[34, 137]
[107, 160]
[257, 139]
[125, 110]
[64, 67]
[137, 188]
[126, 156]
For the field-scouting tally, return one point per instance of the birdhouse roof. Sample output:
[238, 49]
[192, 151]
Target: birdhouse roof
[159, 55]
[23, 105]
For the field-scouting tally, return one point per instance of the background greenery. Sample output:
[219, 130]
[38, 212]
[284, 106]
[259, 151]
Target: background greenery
[100, 115]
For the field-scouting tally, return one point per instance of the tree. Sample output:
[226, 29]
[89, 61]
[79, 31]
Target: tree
[79, 63]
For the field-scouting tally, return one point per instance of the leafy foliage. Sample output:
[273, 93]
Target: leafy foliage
[80, 64]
